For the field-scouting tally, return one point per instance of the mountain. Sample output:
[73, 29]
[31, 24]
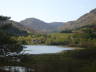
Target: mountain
[34, 25]
[85, 20]
[22, 27]
[41, 26]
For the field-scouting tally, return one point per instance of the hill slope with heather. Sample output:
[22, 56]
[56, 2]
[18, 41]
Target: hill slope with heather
[85, 20]
[41, 26]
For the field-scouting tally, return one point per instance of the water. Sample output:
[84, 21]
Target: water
[44, 49]
[17, 69]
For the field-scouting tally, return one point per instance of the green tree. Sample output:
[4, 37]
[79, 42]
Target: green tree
[9, 44]
[4, 18]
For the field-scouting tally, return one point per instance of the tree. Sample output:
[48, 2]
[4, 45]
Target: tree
[4, 18]
[8, 44]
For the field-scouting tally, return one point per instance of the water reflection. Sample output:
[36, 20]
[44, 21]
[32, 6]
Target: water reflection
[17, 69]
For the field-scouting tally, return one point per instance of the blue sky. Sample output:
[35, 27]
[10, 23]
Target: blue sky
[46, 10]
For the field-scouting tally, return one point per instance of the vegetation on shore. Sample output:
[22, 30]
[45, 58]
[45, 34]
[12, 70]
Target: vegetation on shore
[7, 44]
[83, 37]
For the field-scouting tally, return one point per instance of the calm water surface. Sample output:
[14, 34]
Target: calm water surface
[44, 49]
[16, 69]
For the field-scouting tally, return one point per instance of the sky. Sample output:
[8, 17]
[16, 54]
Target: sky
[46, 10]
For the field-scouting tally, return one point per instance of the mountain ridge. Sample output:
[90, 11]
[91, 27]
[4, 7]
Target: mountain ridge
[35, 25]
[87, 19]
[40, 25]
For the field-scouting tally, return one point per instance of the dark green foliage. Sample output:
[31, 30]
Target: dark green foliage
[10, 29]
[4, 18]
[9, 44]
[66, 31]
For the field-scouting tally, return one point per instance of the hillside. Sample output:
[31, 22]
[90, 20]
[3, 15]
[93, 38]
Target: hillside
[41, 26]
[44, 27]
[34, 25]
[85, 20]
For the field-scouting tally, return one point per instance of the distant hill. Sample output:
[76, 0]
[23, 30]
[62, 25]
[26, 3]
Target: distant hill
[85, 20]
[41, 26]
[34, 25]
